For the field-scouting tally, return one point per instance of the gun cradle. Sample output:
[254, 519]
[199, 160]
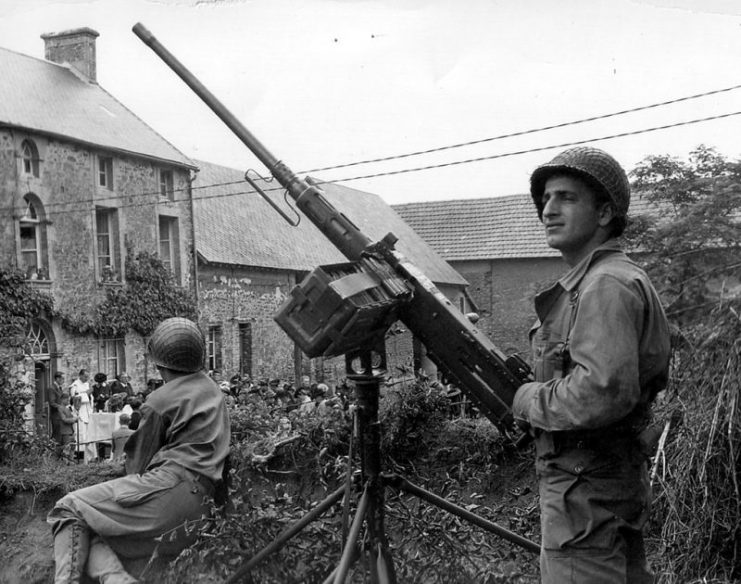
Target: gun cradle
[342, 308]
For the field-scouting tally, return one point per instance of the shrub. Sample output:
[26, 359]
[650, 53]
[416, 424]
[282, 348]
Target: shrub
[697, 510]
[15, 394]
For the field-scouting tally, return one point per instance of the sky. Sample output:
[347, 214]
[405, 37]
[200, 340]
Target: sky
[325, 83]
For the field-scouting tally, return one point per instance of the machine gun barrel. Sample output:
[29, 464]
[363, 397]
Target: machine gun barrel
[465, 354]
[342, 232]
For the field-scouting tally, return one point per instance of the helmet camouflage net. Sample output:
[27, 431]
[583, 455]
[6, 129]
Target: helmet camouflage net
[177, 344]
[596, 167]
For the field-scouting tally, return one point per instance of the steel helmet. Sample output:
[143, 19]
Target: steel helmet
[597, 168]
[177, 344]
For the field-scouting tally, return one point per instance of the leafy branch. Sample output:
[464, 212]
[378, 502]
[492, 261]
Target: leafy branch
[149, 295]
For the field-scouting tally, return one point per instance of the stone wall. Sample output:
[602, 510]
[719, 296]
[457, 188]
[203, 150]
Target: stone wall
[503, 291]
[230, 296]
[68, 193]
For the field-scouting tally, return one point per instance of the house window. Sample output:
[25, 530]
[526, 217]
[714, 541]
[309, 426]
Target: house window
[170, 244]
[33, 240]
[30, 156]
[111, 357]
[213, 348]
[245, 349]
[167, 188]
[37, 341]
[108, 252]
[105, 172]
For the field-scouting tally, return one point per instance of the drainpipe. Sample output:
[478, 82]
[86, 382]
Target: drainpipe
[16, 198]
[191, 178]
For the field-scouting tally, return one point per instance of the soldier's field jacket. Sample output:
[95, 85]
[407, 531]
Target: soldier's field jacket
[600, 347]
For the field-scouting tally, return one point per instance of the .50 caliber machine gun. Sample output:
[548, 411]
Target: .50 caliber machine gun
[340, 310]
[347, 309]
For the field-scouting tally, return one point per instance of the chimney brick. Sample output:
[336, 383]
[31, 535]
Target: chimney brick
[76, 47]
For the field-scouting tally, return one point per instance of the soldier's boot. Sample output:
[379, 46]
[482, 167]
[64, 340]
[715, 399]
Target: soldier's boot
[71, 545]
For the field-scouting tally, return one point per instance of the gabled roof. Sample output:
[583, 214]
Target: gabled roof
[243, 229]
[471, 229]
[490, 228]
[51, 99]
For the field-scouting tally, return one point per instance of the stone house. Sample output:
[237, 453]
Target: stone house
[82, 181]
[497, 244]
[249, 258]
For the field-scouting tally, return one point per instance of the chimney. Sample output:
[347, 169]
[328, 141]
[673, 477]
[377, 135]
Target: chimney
[76, 47]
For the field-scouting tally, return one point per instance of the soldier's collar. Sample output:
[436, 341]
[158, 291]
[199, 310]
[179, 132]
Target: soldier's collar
[574, 276]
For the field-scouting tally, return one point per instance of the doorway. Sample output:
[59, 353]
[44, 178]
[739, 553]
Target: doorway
[39, 341]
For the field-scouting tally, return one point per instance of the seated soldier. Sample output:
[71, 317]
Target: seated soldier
[174, 461]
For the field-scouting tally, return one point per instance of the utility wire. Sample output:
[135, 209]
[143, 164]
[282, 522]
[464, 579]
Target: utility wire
[541, 148]
[409, 170]
[449, 147]
[531, 131]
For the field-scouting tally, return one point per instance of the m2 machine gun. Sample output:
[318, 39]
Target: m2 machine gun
[347, 309]
[342, 309]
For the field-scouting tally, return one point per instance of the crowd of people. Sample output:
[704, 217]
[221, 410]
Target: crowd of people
[283, 396]
[71, 407]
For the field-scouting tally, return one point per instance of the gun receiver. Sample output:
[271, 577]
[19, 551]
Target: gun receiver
[466, 356]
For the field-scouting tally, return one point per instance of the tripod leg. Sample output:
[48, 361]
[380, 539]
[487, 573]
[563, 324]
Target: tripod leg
[404, 485]
[283, 538]
[349, 554]
[383, 565]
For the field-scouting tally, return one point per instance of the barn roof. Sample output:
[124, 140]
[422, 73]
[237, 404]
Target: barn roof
[488, 228]
[234, 225]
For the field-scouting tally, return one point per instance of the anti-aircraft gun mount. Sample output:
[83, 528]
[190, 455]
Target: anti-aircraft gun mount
[346, 309]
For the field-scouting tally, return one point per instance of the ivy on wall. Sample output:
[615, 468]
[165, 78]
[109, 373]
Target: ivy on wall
[20, 303]
[149, 296]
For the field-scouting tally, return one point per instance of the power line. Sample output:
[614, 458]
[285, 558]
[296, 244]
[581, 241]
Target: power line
[423, 168]
[431, 150]
[116, 197]
[541, 148]
[531, 131]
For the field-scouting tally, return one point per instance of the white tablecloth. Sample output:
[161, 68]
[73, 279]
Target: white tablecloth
[101, 427]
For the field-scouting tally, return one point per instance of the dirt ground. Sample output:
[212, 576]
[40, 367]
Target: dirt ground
[25, 540]
[26, 545]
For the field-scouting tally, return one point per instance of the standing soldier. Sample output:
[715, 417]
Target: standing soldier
[57, 398]
[174, 459]
[600, 356]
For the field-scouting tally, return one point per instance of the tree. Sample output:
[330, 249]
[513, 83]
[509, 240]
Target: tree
[690, 248]
[690, 244]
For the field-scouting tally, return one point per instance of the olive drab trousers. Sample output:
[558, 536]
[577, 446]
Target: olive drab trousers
[131, 512]
[594, 501]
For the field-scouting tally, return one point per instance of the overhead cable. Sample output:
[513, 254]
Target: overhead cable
[409, 170]
[531, 131]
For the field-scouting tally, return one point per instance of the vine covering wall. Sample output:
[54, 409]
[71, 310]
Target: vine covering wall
[148, 296]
